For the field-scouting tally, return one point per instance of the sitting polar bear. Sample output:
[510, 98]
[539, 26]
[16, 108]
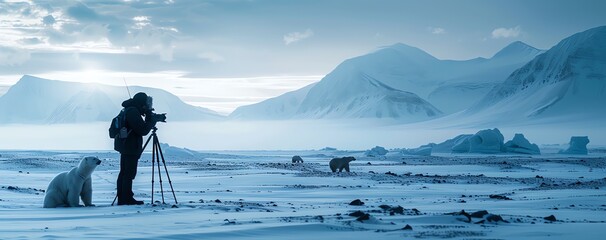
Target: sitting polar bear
[340, 163]
[67, 187]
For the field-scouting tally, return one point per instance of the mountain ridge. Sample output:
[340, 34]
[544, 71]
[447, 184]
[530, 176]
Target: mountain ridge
[401, 67]
[563, 81]
[53, 101]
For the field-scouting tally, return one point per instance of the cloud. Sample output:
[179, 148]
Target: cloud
[77, 25]
[297, 36]
[506, 32]
[49, 20]
[212, 57]
[31, 41]
[83, 13]
[141, 21]
[436, 30]
[13, 56]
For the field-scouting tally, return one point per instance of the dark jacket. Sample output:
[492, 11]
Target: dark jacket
[133, 144]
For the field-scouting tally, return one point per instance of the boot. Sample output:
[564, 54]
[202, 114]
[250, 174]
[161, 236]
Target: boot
[129, 201]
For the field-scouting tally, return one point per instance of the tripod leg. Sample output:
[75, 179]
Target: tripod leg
[153, 167]
[146, 142]
[157, 148]
[167, 175]
[115, 199]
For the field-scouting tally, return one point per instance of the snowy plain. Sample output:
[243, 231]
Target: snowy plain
[262, 195]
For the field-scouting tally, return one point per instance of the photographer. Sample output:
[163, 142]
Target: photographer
[131, 147]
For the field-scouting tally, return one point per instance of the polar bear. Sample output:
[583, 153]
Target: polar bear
[340, 163]
[297, 159]
[67, 187]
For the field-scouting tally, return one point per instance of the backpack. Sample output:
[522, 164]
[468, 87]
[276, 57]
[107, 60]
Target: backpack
[117, 129]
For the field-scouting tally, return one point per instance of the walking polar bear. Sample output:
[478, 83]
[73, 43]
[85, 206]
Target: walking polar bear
[340, 163]
[66, 189]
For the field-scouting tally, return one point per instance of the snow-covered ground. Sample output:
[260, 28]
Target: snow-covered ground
[262, 195]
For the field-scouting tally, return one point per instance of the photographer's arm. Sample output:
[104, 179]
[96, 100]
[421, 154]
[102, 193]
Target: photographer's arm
[137, 124]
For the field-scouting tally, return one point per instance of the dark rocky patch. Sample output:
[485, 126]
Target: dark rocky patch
[551, 218]
[499, 197]
[364, 217]
[356, 202]
[357, 214]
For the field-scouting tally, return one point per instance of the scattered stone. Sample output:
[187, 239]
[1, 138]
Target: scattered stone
[495, 218]
[551, 218]
[364, 217]
[407, 227]
[392, 174]
[461, 213]
[479, 214]
[356, 202]
[357, 214]
[398, 210]
[218, 201]
[385, 207]
[500, 197]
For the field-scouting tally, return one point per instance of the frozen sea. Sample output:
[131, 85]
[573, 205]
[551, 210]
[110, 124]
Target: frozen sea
[262, 195]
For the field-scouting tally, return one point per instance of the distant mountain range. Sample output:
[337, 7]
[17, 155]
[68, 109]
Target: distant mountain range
[38, 100]
[566, 82]
[519, 83]
[397, 81]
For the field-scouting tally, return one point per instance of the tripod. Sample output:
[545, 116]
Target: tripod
[156, 155]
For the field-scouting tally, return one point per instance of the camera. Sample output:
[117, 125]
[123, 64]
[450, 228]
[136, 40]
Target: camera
[158, 117]
[154, 116]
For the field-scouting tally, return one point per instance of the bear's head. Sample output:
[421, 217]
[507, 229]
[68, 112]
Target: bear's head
[349, 159]
[88, 165]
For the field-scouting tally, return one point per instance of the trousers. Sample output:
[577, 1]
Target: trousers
[128, 171]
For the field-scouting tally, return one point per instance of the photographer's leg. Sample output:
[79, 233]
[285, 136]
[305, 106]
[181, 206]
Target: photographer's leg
[128, 170]
[120, 181]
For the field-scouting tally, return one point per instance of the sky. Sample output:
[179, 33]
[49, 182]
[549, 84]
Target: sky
[224, 54]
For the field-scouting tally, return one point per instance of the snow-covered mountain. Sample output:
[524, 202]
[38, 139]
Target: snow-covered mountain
[350, 93]
[278, 107]
[397, 81]
[38, 100]
[468, 81]
[566, 82]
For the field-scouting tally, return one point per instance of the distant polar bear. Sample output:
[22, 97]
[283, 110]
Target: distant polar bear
[67, 187]
[297, 159]
[340, 163]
